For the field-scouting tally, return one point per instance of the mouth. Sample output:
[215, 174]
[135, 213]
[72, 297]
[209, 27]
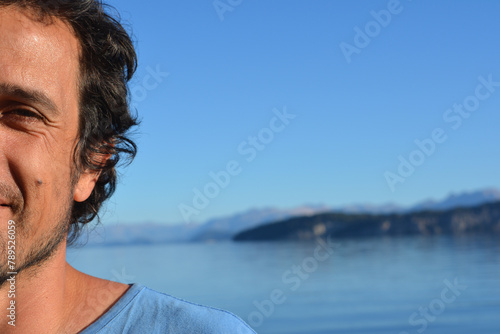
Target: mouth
[7, 203]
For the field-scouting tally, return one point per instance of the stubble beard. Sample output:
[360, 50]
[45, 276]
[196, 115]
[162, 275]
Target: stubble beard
[31, 257]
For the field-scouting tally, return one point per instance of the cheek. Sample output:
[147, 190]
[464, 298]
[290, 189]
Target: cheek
[41, 173]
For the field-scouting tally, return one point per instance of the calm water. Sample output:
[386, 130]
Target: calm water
[408, 285]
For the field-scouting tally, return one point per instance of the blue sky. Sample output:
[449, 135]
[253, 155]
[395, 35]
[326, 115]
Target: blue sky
[354, 114]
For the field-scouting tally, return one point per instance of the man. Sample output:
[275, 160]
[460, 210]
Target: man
[64, 119]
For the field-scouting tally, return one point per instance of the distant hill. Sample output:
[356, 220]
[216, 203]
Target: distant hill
[484, 218]
[138, 234]
[225, 228]
[466, 199]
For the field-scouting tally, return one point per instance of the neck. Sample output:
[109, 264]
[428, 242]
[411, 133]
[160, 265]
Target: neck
[55, 298]
[32, 298]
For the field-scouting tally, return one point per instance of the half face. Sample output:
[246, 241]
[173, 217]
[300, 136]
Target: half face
[38, 132]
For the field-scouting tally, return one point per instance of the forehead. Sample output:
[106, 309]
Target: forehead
[38, 56]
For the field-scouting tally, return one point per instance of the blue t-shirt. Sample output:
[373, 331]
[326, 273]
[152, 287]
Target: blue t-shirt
[142, 310]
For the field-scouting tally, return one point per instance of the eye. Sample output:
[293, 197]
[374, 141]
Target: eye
[24, 115]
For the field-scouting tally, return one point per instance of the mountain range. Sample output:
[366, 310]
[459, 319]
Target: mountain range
[479, 219]
[225, 228]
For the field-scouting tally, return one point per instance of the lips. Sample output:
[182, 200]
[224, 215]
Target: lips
[10, 198]
[4, 206]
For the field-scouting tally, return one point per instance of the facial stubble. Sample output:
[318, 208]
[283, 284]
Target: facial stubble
[31, 257]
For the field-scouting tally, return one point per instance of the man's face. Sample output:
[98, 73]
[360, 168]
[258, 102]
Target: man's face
[38, 132]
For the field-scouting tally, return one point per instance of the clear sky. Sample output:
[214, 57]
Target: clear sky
[308, 102]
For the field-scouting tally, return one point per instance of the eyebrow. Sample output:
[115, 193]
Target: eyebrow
[29, 95]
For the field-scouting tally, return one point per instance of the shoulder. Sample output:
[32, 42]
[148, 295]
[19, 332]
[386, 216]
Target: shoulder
[198, 318]
[148, 311]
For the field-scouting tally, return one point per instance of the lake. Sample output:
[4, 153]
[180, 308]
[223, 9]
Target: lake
[395, 285]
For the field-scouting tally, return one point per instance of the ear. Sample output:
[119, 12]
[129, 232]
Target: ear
[87, 181]
[85, 186]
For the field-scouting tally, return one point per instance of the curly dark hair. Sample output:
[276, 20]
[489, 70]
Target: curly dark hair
[107, 63]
